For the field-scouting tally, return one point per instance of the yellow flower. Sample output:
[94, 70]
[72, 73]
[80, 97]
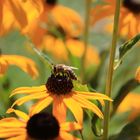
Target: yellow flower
[53, 16]
[130, 103]
[26, 64]
[76, 47]
[16, 14]
[59, 90]
[27, 127]
[129, 16]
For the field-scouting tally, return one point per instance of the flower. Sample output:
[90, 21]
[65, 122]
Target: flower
[16, 14]
[26, 64]
[52, 44]
[59, 90]
[53, 16]
[37, 126]
[130, 104]
[129, 16]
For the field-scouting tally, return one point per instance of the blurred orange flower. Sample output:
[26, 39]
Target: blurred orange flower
[131, 103]
[58, 49]
[26, 64]
[58, 17]
[17, 128]
[18, 14]
[129, 16]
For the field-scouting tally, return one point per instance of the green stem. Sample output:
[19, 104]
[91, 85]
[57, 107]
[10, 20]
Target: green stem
[82, 137]
[110, 70]
[86, 34]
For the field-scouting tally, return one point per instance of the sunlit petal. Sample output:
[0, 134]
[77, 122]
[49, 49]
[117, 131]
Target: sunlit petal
[5, 132]
[41, 105]
[29, 97]
[28, 90]
[11, 122]
[26, 64]
[69, 126]
[75, 108]
[21, 137]
[20, 114]
[87, 104]
[92, 95]
[67, 136]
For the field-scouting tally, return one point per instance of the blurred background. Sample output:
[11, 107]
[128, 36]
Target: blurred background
[95, 77]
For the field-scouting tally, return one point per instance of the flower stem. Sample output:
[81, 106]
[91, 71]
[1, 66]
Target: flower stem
[82, 137]
[110, 70]
[86, 34]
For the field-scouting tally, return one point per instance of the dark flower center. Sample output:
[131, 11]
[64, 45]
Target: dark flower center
[51, 2]
[132, 5]
[59, 84]
[43, 126]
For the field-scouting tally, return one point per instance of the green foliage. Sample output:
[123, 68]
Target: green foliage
[79, 87]
[130, 132]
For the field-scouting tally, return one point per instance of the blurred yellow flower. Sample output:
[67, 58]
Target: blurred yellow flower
[131, 103]
[26, 64]
[59, 90]
[26, 127]
[16, 14]
[58, 49]
[129, 16]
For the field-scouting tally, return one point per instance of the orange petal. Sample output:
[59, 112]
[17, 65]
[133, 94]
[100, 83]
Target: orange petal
[21, 137]
[87, 104]
[66, 136]
[69, 20]
[19, 113]
[70, 126]
[75, 109]
[133, 26]
[40, 105]
[12, 122]
[30, 97]
[28, 90]
[59, 109]
[26, 64]
[5, 132]
[93, 95]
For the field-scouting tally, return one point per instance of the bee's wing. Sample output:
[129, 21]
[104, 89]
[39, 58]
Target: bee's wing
[68, 67]
[74, 68]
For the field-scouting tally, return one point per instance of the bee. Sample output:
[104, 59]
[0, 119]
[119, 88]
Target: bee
[68, 70]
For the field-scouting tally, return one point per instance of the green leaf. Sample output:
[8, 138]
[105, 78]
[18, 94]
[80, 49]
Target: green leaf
[125, 48]
[97, 124]
[79, 87]
[131, 131]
